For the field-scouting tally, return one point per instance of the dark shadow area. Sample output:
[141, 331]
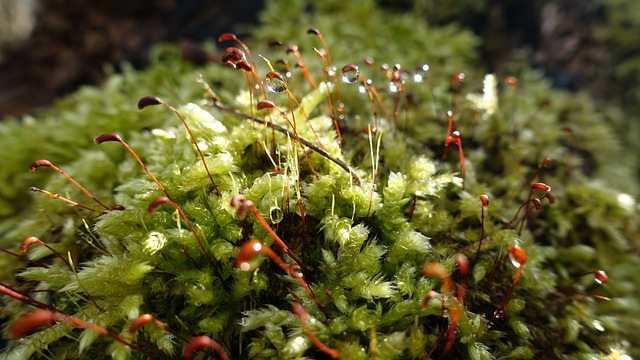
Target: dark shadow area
[74, 39]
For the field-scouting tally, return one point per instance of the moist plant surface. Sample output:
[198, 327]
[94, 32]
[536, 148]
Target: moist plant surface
[337, 188]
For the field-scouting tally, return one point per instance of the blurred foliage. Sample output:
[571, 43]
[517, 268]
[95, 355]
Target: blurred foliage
[363, 245]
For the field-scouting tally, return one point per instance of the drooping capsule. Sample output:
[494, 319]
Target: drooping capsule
[233, 56]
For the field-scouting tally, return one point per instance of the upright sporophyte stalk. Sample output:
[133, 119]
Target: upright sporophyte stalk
[114, 137]
[518, 258]
[153, 100]
[164, 200]
[252, 248]
[484, 199]
[46, 163]
[243, 205]
[531, 200]
[447, 288]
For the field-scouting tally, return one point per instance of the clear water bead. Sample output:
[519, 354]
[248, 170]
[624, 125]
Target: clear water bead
[421, 73]
[275, 82]
[350, 73]
[276, 214]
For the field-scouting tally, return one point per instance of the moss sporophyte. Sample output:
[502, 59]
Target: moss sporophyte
[342, 167]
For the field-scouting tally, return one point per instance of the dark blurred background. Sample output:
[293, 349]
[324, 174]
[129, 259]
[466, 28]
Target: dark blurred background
[50, 47]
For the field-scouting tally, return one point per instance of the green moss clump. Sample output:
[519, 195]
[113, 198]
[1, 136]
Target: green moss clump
[363, 245]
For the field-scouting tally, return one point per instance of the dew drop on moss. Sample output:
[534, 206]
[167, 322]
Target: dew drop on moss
[275, 82]
[276, 214]
[350, 73]
[295, 271]
[421, 73]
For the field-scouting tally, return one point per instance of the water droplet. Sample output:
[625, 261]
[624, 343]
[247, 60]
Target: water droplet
[393, 87]
[350, 73]
[601, 277]
[276, 214]
[245, 266]
[331, 70]
[598, 325]
[257, 247]
[421, 73]
[362, 89]
[154, 242]
[517, 256]
[275, 82]
[295, 271]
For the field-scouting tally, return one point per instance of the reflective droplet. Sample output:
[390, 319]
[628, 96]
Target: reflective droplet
[598, 325]
[257, 247]
[275, 82]
[517, 256]
[601, 277]
[331, 70]
[393, 87]
[276, 214]
[350, 73]
[421, 73]
[295, 271]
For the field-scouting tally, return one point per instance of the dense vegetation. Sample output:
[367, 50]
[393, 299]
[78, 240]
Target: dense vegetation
[403, 255]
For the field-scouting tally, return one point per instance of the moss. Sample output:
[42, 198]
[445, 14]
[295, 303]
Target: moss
[362, 246]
